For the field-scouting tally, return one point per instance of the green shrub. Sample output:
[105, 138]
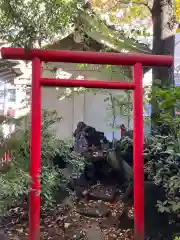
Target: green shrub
[163, 150]
[14, 185]
[15, 182]
[165, 102]
[163, 167]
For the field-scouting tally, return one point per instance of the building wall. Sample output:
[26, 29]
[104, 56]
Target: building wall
[63, 108]
[87, 107]
[177, 50]
[11, 104]
[177, 60]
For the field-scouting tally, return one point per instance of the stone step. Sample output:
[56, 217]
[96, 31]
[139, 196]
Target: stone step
[94, 210]
[103, 193]
[94, 233]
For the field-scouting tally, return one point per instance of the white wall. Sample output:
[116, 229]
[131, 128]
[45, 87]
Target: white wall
[177, 50]
[86, 107]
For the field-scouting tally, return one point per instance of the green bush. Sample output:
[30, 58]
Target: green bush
[14, 183]
[163, 150]
[165, 102]
[163, 167]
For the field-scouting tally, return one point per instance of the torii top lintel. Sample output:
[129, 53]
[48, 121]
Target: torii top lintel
[87, 57]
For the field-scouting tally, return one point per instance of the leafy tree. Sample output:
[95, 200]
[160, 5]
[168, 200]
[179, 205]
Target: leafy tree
[25, 22]
[159, 14]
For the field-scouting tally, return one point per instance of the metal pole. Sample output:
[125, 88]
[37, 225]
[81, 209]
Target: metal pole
[35, 152]
[138, 140]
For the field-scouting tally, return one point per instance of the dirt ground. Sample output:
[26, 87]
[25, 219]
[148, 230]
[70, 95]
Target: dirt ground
[87, 219]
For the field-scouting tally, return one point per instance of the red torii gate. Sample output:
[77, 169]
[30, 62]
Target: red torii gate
[137, 61]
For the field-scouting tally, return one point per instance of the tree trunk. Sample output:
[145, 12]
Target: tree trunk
[163, 44]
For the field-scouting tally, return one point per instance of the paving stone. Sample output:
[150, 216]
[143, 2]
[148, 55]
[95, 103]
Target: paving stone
[102, 193]
[98, 210]
[94, 233]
